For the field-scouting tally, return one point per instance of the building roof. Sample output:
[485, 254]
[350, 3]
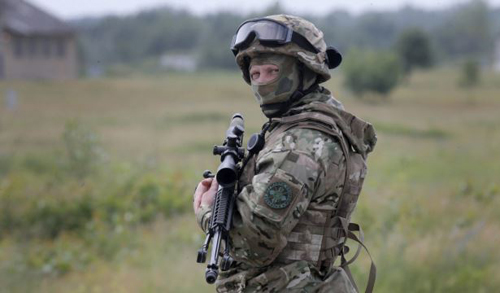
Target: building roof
[21, 17]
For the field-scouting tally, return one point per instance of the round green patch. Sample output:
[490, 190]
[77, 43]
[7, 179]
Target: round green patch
[278, 195]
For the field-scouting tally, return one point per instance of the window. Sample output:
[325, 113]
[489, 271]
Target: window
[1, 66]
[61, 47]
[46, 42]
[32, 46]
[18, 47]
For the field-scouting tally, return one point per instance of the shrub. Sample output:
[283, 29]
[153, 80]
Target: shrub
[82, 147]
[469, 74]
[370, 71]
[68, 222]
[5, 164]
[414, 49]
[73, 209]
[49, 220]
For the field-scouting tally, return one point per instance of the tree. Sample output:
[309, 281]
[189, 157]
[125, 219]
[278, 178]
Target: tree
[374, 30]
[414, 49]
[214, 46]
[467, 32]
[372, 71]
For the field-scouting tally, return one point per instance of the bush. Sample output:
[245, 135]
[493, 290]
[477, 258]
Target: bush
[469, 74]
[414, 50]
[5, 164]
[66, 220]
[35, 206]
[73, 209]
[98, 214]
[370, 71]
[82, 147]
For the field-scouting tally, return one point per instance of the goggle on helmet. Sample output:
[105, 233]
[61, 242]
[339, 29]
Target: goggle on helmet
[272, 33]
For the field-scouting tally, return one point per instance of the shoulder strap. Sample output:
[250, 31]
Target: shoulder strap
[349, 229]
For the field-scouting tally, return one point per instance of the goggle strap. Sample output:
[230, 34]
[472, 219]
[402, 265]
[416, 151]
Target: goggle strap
[303, 42]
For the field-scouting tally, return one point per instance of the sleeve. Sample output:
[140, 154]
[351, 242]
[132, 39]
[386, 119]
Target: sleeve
[286, 178]
[203, 217]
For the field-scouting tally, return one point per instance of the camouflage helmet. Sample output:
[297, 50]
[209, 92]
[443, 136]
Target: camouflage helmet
[320, 63]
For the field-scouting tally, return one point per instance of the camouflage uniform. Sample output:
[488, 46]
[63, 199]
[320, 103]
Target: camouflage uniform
[283, 238]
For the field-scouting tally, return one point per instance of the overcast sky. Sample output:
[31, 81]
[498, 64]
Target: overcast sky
[77, 8]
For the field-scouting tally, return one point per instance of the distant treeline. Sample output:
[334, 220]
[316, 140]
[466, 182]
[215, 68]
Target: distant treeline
[463, 31]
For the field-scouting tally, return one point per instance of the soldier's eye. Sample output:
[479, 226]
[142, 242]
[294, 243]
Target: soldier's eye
[255, 75]
[273, 71]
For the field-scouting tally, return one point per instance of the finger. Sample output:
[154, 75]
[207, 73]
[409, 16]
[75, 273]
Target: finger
[209, 196]
[202, 187]
[207, 182]
[214, 185]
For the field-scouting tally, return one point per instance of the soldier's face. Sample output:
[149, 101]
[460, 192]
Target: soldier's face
[263, 74]
[274, 78]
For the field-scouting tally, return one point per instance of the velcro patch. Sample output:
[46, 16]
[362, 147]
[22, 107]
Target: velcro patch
[278, 195]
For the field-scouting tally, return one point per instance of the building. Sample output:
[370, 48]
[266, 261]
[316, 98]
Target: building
[179, 62]
[35, 44]
[496, 57]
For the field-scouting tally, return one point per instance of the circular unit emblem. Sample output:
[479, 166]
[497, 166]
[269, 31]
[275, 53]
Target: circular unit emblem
[278, 195]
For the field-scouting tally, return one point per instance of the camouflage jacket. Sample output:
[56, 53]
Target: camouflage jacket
[299, 170]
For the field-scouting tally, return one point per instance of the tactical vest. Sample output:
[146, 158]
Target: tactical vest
[322, 231]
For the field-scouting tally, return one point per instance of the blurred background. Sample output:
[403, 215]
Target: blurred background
[109, 111]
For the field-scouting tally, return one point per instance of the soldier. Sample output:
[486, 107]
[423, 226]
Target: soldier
[292, 213]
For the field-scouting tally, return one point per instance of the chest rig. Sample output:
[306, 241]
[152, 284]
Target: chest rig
[323, 229]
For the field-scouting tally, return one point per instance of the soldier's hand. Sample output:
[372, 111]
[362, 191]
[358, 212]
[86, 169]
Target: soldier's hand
[205, 193]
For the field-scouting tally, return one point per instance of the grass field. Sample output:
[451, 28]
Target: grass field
[430, 206]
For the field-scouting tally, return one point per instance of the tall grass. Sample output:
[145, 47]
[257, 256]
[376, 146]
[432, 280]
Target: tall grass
[62, 210]
[96, 179]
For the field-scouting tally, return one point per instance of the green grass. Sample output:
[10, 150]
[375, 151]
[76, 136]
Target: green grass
[398, 129]
[430, 206]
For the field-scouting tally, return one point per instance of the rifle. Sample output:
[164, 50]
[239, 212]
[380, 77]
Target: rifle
[227, 176]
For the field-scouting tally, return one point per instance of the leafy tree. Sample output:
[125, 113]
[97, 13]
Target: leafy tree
[274, 8]
[338, 27]
[136, 37]
[467, 31]
[218, 32]
[375, 30]
[459, 32]
[372, 71]
[414, 49]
